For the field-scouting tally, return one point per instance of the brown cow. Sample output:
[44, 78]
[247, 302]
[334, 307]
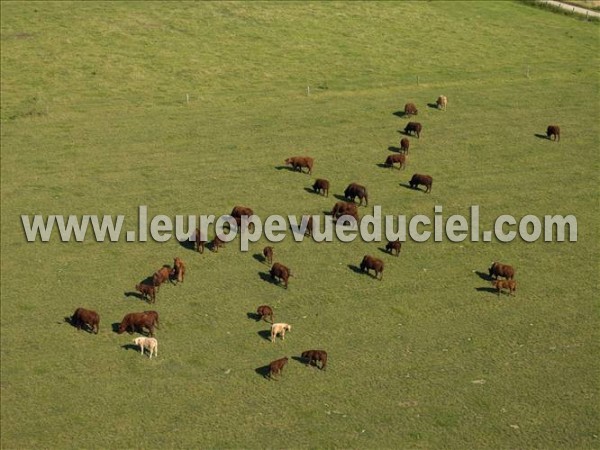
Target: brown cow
[83, 318]
[280, 271]
[178, 271]
[397, 158]
[425, 180]
[356, 190]
[200, 241]
[344, 209]
[161, 276]
[299, 162]
[410, 109]
[216, 243]
[394, 246]
[315, 356]
[321, 185]
[148, 291]
[404, 145]
[413, 127]
[238, 211]
[511, 285]
[137, 321]
[309, 226]
[442, 102]
[276, 367]
[153, 315]
[263, 312]
[501, 270]
[553, 130]
[370, 262]
[268, 254]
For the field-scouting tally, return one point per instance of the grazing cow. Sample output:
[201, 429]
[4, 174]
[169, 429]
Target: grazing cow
[370, 262]
[553, 130]
[501, 270]
[418, 179]
[404, 145]
[161, 276]
[442, 102]
[315, 356]
[238, 211]
[356, 190]
[147, 342]
[410, 109]
[268, 254]
[148, 291]
[178, 271]
[263, 312]
[511, 285]
[216, 243]
[394, 246]
[137, 321]
[200, 241]
[299, 162]
[83, 318]
[309, 226]
[280, 271]
[279, 328]
[413, 127]
[344, 209]
[154, 316]
[397, 158]
[321, 185]
[276, 367]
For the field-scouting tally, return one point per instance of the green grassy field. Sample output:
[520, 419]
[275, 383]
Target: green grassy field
[95, 120]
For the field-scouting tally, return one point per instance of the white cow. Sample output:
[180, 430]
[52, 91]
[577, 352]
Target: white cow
[279, 328]
[149, 342]
[442, 102]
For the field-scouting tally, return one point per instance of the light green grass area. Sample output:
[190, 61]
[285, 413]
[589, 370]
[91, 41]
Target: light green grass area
[95, 120]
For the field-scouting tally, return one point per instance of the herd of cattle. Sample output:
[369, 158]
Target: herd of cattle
[149, 320]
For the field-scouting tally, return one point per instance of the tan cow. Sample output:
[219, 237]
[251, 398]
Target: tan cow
[279, 328]
[147, 342]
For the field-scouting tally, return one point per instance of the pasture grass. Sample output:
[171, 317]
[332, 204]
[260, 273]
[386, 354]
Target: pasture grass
[95, 120]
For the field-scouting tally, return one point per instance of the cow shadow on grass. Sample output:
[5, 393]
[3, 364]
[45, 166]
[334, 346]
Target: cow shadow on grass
[267, 277]
[382, 165]
[340, 197]
[84, 327]
[483, 275]
[254, 316]
[354, 268]
[393, 148]
[432, 105]
[300, 359]
[407, 186]
[399, 114]
[265, 334]
[260, 258]
[134, 294]
[542, 136]
[291, 169]
[491, 290]
[188, 245]
[263, 371]
[130, 347]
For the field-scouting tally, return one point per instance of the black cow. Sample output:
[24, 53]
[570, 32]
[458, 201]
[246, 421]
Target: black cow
[356, 190]
[424, 180]
[413, 127]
